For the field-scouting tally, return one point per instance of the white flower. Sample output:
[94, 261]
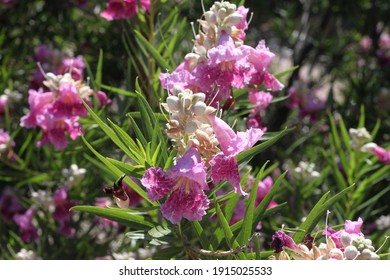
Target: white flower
[74, 175]
[359, 137]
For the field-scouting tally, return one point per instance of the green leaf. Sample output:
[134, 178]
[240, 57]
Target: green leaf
[128, 218]
[317, 213]
[261, 147]
[262, 207]
[110, 133]
[229, 237]
[119, 91]
[246, 230]
[152, 51]
[201, 235]
[98, 79]
[159, 231]
[117, 173]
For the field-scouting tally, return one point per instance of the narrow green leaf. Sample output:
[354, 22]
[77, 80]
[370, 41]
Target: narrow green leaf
[117, 173]
[262, 207]
[201, 235]
[229, 237]
[246, 231]
[317, 213]
[99, 70]
[119, 91]
[128, 218]
[159, 59]
[261, 147]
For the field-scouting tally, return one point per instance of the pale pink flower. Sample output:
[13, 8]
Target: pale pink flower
[350, 227]
[40, 103]
[224, 165]
[185, 183]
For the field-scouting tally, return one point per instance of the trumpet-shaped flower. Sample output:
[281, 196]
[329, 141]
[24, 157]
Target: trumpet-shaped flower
[224, 165]
[185, 183]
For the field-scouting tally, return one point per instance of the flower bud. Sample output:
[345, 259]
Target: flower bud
[199, 108]
[233, 19]
[173, 103]
[366, 254]
[210, 17]
[350, 252]
[345, 239]
[191, 127]
[336, 254]
[374, 256]
[199, 96]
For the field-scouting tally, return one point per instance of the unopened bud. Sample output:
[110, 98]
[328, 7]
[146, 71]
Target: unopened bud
[350, 252]
[199, 108]
[173, 103]
[191, 127]
[345, 239]
[233, 19]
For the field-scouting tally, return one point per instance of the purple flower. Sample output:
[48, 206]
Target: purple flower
[9, 204]
[224, 165]
[280, 240]
[27, 230]
[62, 214]
[185, 183]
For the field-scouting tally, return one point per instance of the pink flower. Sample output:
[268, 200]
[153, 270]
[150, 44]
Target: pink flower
[27, 230]
[224, 165]
[351, 227]
[68, 103]
[74, 66]
[56, 128]
[260, 99]
[382, 155]
[3, 103]
[40, 103]
[263, 189]
[123, 9]
[186, 183]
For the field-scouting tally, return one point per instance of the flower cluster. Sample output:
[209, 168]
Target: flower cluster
[346, 244]
[57, 107]
[220, 61]
[123, 9]
[206, 145]
[204, 142]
